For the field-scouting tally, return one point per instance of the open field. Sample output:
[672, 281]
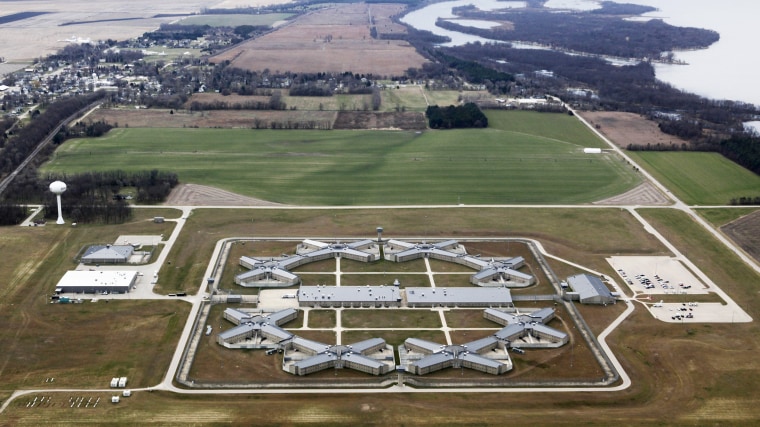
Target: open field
[699, 178]
[247, 119]
[745, 232]
[80, 345]
[27, 39]
[682, 375]
[527, 160]
[336, 38]
[628, 128]
[234, 20]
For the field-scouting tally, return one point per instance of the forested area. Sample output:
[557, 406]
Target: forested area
[460, 116]
[24, 140]
[91, 196]
[594, 33]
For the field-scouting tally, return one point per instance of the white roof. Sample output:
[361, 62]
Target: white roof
[76, 278]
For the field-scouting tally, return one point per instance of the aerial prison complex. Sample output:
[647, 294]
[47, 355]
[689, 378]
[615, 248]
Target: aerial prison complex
[373, 356]
[276, 272]
[302, 356]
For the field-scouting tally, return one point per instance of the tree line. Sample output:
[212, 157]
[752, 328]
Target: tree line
[21, 142]
[460, 116]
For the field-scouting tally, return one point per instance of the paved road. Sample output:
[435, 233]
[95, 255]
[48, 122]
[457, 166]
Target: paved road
[196, 300]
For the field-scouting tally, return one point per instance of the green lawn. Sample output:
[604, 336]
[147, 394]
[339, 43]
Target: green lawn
[699, 178]
[500, 165]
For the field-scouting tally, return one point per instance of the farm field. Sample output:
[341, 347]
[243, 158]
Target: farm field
[699, 178]
[336, 38]
[523, 158]
[234, 20]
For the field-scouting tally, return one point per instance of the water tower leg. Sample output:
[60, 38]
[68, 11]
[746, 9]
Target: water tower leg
[60, 214]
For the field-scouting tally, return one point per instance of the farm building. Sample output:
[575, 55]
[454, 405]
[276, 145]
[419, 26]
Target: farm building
[107, 254]
[458, 297]
[589, 289]
[90, 282]
[349, 296]
[371, 356]
[491, 272]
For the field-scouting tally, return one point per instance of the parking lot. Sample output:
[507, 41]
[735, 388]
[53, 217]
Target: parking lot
[653, 277]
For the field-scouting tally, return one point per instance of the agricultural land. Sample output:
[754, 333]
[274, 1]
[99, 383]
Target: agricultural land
[551, 182]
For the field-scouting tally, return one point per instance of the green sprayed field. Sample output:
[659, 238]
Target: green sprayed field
[524, 158]
[700, 178]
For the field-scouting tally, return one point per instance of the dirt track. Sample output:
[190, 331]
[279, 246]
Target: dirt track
[645, 194]
[201, 195]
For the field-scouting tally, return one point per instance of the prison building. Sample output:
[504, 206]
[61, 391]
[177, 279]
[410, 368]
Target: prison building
[437, 357]
[267, 273]
[589, 289]
[96, 282]
[257, 327]
[349, 296]
[490, 272]
[501, 273]
[276, 272]
[458, 297]
[317, 251]
[107, 254]
[544, 315]
[322, 356]
[519, 327]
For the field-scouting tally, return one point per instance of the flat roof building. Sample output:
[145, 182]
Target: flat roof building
[256, 330]
[275, 272]
[349, 296]
[491, 272]
[488, 354]
[459, 297]
[370, 356]
[96, 282]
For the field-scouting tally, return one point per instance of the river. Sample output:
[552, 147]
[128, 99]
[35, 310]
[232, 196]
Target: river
[725, 70]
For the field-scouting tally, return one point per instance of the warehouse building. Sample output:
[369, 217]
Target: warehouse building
[276, 272]
[256, 330]
[491, 272]
[458, 297]
[349, 296]
[304, 357]
[96, 282]
[590, 289]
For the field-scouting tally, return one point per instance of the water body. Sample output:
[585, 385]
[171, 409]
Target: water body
[726, 70]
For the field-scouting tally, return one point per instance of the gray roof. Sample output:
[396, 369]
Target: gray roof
[449, 296]
[434, 359]
[427, 345]
[108, 252]
[588, 286]
[362, 346]
[480, 344]
[480, 360]
[348, 294]
[315, 346]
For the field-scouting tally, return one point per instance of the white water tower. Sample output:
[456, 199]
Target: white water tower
[57, 188]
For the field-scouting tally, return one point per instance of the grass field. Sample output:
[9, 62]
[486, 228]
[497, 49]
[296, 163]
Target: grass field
[234, 20]
[699, 178]
[722, 216]
[523, 158]
[683, 375]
